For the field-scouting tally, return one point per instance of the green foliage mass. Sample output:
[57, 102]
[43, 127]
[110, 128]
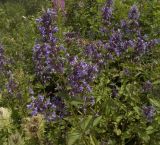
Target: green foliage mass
[112, 120]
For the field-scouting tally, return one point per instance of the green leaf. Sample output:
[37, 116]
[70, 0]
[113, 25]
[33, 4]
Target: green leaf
[97, 120]
[117, 131]
[149, 130]
[86, 122]
[100, 1]
[77, 103]
[93, 140]
[155, 102]
[145, 137]
[73, 137]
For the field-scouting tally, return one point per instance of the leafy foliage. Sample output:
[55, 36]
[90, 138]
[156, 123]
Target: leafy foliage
[87, 74]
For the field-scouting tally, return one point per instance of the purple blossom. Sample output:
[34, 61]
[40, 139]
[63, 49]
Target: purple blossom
[93, 54]
[149, 112]
[128, 35]
[126, 72]
[107, 11]
[147, 86]
[109, 2]
[141, 46]
[92, 100]
[81, 77]
[73, 60]
[11, 86]
[43, 106]
[123, 24]
[107, 14]
[116, 43]
[46, 53]
[2, 59]
[153, 42]
[114, 92]
[134, 13]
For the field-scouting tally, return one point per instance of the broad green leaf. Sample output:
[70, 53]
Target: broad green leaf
[100, 1]
[97, 120]
[86, 122]
[149, 130]
[73, 137]
[155, 102]
[93, 140]
[77, 103]
[117, 131]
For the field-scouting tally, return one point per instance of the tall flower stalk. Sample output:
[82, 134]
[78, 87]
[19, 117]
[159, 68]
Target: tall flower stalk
[46, 52]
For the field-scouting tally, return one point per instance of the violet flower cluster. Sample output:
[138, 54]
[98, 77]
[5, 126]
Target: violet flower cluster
[107, 12]
[43, 106]
[128, 36]
[149, 112]
[134, 13]
[46, 52]
[94, 54]
[11, 85]
[49, 61]
[147, 87]
[116, 43]
[51, 107]
[2, 59]
[81, 77]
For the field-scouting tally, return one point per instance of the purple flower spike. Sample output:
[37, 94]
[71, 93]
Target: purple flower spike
[134, 13]
[2, 59]
[107, 12]
[46, 52]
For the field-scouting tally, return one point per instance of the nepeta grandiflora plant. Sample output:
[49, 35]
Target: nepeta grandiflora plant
[52, 60]
[128, 35]
[46, 52]
[76, 73]
[48, 63]
[98, 91]
[123, 38]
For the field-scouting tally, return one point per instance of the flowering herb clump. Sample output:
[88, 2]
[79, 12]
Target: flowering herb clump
[85, 86]
[49, 63]
[128, 35]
